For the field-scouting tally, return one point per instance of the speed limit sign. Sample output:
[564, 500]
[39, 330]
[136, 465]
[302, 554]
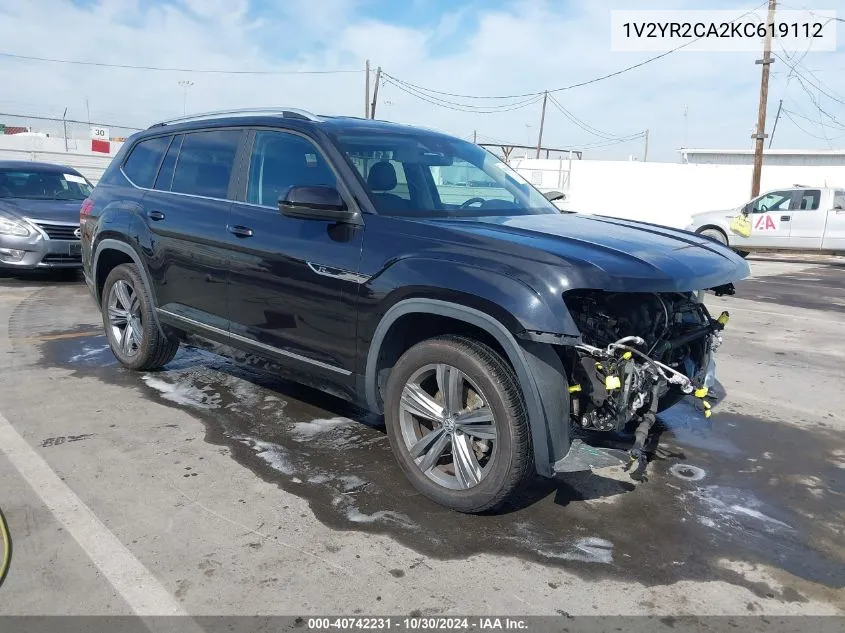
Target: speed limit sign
[99, 133]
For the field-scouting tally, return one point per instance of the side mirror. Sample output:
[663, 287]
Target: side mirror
[316, 203]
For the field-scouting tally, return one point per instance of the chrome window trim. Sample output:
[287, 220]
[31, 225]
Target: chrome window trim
[243, 129]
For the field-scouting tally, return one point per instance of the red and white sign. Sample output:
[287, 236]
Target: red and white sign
[765, 223]
[100, 140]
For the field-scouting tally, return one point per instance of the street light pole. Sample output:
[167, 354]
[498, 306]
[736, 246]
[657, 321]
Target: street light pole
[185, 83]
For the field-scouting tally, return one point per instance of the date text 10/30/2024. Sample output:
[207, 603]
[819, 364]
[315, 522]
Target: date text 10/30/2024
[416, 624]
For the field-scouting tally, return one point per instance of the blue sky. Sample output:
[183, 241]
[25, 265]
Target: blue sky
[473, 47]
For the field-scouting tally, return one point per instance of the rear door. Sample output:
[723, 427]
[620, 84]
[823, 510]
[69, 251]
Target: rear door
[293, 281]
[770, 215]
[834, 235]
[187, 211]
[806, 225]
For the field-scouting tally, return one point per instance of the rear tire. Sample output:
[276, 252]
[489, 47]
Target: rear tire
[131, 329]
[477, 450]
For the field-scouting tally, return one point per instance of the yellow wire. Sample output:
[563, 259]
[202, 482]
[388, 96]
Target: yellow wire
[7, 547]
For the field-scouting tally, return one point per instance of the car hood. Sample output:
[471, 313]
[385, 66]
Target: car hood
[616, 254]
[699, 219]
[65, 211]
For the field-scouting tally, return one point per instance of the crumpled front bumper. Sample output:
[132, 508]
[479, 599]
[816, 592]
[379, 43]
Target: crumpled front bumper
[39, 251]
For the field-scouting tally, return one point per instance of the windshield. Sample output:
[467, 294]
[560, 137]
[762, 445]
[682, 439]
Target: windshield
[430, 175]
[34, 184]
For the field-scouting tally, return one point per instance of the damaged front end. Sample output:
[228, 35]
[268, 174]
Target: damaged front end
[640, 353]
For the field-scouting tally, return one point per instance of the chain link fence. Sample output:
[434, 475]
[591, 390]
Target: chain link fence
[73, 130]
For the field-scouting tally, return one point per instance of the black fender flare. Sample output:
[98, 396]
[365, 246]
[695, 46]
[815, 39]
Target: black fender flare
[123, 247]
[538, 368]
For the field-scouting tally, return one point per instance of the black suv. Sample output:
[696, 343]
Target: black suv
[498, 336]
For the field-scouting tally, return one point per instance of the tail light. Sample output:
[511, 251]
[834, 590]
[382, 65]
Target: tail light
[86, 208]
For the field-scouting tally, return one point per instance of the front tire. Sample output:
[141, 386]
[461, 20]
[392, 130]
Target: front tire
[133, 335]
[457, 423]
[715, 234]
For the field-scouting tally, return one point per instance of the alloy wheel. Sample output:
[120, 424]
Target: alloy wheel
[448, 426]
[124, 315]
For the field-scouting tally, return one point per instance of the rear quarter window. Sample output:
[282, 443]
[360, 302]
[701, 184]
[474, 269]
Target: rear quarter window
[142, 164]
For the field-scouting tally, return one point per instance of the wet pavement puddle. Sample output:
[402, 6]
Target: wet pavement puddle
[746, 489]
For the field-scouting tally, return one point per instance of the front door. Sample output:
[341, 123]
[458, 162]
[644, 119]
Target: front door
[187, 212]
[293, 282]
[770, 216]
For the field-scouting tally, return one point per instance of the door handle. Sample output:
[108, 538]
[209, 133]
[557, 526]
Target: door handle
[240, 231]
[785, 218]
[155, 215]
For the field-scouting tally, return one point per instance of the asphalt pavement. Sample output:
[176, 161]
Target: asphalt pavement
[213, 487]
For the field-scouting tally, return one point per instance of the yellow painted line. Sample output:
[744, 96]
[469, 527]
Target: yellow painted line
[57, 337]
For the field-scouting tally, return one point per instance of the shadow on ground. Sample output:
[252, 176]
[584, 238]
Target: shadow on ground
[747, 489]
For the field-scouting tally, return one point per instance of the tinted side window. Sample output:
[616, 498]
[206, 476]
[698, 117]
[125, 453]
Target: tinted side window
[810, 199]
[143, 162]
[205, 163]
[839, 200]
[165, 174]
[281, 160]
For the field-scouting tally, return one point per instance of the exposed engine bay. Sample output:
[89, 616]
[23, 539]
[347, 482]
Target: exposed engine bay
[640, 352]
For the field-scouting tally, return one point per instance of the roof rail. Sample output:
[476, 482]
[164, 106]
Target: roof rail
[292, 113]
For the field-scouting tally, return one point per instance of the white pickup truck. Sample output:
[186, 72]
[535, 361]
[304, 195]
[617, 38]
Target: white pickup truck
[795, 218]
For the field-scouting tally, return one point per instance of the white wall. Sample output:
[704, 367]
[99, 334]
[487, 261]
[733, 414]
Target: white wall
[666, 193]
[52, 150]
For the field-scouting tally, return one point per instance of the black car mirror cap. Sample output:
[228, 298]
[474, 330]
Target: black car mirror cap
[316, 203]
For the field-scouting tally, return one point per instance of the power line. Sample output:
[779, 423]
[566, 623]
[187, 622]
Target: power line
[817, 84]
[789, 114]
[608, 143]
[582, 124]
[410, 89]
[838, 127]
[570, 86]
[180, 70]
[451, 106]
[829, 19]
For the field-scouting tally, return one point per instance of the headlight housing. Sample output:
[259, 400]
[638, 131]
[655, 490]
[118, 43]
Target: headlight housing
[10, 225]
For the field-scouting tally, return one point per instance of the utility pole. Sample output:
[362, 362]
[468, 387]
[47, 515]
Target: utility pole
[185, 83]
[375, 93]
[367, 90]
[760, 135]
[645, 151]
[64, 125]
[775, 126]
[475, 137]
[542, 121]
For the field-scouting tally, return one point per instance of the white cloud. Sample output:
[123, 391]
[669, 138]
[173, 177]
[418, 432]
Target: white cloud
[524, 47]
